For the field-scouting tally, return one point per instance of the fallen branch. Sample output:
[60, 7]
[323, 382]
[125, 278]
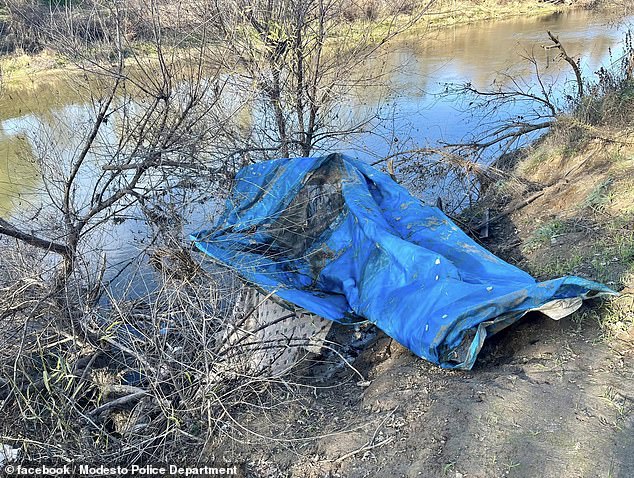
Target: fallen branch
[521, 131]
[511, 209]
[369, 445]
[8, 229]
[130, 352]
[446, 156]
[118, 402]
[364, 448]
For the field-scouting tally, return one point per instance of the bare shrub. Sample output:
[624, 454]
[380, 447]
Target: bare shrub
[611, 95]
[299, 62]
[140, 381]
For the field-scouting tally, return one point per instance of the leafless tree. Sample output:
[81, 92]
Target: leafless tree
[151, 120]
[540, 103]
[298, 62]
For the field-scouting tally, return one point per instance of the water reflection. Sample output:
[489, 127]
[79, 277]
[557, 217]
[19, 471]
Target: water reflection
[18, 178]
[481, 53]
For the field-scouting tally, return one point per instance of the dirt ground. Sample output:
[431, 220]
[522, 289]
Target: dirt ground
[546, 398]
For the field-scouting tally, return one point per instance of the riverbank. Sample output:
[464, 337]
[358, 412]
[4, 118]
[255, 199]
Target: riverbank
[579, 184]
[546, 398]
[456, 13]
[22, 70]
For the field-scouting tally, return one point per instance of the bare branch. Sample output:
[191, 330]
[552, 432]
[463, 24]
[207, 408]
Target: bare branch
[8, 229]
[570, 61]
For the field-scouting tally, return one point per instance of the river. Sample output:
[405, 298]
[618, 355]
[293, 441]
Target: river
[411, 111]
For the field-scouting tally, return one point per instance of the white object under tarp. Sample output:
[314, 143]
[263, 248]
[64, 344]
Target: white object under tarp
[267, 338]
[560, 308]
[8, 454]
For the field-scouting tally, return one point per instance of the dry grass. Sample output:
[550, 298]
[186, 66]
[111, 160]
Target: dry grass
[584, 223]
[130, 380]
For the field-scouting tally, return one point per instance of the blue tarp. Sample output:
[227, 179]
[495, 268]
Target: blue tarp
[342, 240]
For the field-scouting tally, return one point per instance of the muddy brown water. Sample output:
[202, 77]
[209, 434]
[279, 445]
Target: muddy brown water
[408, 107]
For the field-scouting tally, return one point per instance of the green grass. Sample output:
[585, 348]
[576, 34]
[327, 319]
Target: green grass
[618, 156]
[607, 256]
[545, 235]
[552, 151]
[533, 164]
[617, 239]
[626, 94]
[614, 315]
[599, 197]
[558, 266]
